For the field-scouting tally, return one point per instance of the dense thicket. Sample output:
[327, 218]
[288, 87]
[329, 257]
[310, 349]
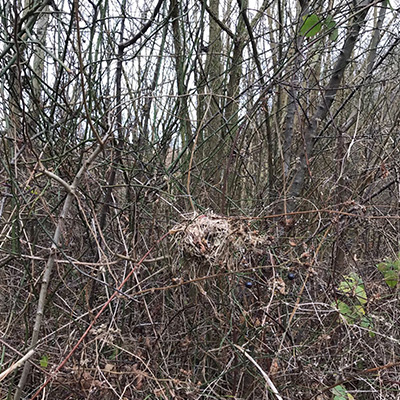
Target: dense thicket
[199, 199]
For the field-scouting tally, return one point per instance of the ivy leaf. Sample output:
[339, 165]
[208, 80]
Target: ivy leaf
[311, 25]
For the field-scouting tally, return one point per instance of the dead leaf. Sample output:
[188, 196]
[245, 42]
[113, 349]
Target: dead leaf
[108, 367]
[274, 369]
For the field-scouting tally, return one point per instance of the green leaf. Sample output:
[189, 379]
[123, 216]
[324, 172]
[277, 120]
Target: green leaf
[330, 25]
[355, 315]
[349, 313]
[340, 393]
[390, 271]
[392, 278]
[359, 310]
[371, 334]
[344, 309]
[334, 35]
[360, 293]
[348, 284]
[366, 322]
[352, 285]
[330, 22]
[311, 25]
[44, 361]
[353, 311]
[352, 314]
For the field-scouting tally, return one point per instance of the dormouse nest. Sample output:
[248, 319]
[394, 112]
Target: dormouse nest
[220, 240]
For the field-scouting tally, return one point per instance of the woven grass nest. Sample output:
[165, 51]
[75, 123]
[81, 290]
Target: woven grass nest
[220, 240]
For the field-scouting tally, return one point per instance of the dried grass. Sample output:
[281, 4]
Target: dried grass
[219, 240]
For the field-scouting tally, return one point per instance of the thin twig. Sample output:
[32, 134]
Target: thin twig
[105, 305]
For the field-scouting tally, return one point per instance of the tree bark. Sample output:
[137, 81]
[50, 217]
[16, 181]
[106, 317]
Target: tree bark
[298, 181]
